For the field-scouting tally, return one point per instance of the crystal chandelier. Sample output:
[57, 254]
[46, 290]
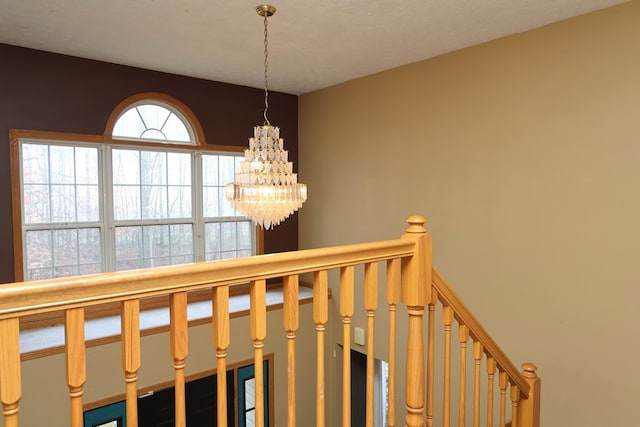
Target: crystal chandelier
[266, 189]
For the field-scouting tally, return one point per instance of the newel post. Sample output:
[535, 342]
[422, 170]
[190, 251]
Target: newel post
[416, 290]
[529, 409]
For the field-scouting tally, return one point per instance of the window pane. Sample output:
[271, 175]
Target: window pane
[179, 166]
[154, 116]
[244, 235]
[128, 248]
[250, 393]
[36, 204]
[153, 165]
[57, 202]
[154, 122]
[61, 164]
[179, 179]
[63, 203]
[226, 170]
[210, 169]
[126, 202]
[212, 240]
[217, 172]
[35, 164]
[179, 202]
[65, 247]
[228, 241]
[225, 207]
[182, 240]
[129, 124]
[126, 167]
[63, 253]
[175, 129]
[210, 202]
[66, 271]
[39, 249]
[87, 166]
[88, 203]
[156, 245]
[89, 246]
[250, 417]
[154, 202]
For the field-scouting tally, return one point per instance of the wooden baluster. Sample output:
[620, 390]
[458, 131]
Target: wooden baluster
[130, 324]
[477, 359]
[75, 360]
[502, 383]
[431, 341]
[447, 319]
[393, 295]
[10, 379]
[221, 342]
[320, 317]
[370, 304]
[463, 337]
[515, 400]
[491, 371]
[179, 337]
[258, 312]
[290, 320]
[416, 285]
[346, 311]
[529, 411]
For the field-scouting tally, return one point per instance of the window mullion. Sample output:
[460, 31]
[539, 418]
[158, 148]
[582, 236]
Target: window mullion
[109, 239]
[197, 193]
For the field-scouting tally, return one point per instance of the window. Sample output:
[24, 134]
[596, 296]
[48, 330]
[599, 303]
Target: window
[91, 206]
[113, 415]
[157, 406]
[247, 393]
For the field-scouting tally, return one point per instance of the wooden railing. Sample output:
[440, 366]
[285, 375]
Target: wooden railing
[409, 278]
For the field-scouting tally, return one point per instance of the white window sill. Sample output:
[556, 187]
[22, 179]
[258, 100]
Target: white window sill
[50, 340]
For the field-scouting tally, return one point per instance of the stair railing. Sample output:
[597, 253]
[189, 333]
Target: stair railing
[410, 278]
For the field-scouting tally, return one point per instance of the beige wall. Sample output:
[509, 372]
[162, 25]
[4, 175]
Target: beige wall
[45, 399]
[524, 154]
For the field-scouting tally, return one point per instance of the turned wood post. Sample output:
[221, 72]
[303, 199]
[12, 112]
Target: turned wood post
[10, 379]
[179, 346]
[258, 319]
[291, 320]
[221, 341]
[529, 409]
[416, 285]
[75, 361]
[130, 337]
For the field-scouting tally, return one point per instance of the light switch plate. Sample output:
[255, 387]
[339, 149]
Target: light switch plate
[358, 336]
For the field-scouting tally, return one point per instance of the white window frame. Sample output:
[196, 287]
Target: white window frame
[107, 223]
[105, 145]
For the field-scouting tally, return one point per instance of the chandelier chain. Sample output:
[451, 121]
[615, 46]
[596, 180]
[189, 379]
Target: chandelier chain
[266, 63]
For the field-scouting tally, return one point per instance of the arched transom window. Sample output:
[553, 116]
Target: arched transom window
[149, 120]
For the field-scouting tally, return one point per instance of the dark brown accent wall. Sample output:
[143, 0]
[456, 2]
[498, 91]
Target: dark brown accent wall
[58, 93]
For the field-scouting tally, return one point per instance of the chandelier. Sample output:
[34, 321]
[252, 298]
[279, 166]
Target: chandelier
[265, 188]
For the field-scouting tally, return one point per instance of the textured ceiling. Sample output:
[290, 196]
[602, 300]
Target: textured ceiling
[312, 44]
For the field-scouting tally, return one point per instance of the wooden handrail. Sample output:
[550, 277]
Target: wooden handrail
[463, 315]
[48, 295]
[411, 279]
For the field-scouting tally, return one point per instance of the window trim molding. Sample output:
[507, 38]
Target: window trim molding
[15, 135]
